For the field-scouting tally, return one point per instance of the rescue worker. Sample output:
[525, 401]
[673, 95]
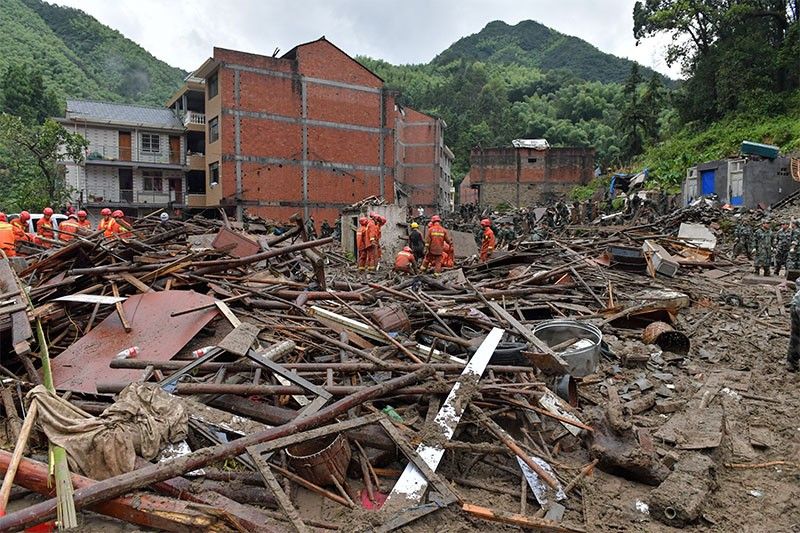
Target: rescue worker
[435, 239]
[373, 241]
[488, 242]
[783, 241]
[416, 242]
[793, 355]
[121, 227]
[84, 223]
[7, 239]
[20, 225]
[380, 222]
[405, 261]
[44, 227]
[362, 244]
[449, 256]
[743, 234]
[68, 228]
[762, 248]
[106, 224]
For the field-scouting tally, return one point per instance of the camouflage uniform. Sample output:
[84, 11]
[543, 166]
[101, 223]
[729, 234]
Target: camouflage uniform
[762, 250]
[744, 236]
[783, 241]
[793, 355]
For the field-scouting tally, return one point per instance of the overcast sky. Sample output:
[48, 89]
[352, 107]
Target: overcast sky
[183, 32]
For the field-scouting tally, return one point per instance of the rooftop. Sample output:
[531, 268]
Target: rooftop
[129, 114]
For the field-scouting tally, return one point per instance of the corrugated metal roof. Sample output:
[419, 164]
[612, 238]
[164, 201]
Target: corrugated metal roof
[108, 112]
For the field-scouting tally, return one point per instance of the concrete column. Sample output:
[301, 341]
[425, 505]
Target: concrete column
[304, 121]
[238, 146]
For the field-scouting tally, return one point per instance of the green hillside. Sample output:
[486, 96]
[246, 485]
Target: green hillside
[531, 44]
[79, 56]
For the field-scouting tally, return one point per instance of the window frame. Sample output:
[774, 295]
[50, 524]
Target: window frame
[154, 177]
[147, 148]
[212, 169]
[213, 85]
[213, 128]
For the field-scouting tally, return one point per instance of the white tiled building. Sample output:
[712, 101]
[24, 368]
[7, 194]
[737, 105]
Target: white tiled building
[136, 157]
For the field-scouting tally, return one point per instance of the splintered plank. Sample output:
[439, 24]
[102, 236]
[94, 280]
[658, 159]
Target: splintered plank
[411, 486]
[514, 519]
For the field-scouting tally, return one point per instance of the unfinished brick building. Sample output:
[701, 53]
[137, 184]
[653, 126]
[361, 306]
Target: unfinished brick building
[310, 132]
[423, 161]
[523, 177]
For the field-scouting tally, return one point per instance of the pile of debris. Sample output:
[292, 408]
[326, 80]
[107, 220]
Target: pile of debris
[200, 376]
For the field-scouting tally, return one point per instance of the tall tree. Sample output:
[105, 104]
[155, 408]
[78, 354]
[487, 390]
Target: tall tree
[652, 103]
[24, 94]
[29, 159]
[632, 121]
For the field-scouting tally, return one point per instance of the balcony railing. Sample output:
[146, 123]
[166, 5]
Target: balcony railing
[193, 117]
[130, 196]
[111, 153]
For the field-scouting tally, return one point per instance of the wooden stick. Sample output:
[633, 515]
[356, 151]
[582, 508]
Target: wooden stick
[120, 310]
[506, 439]
[19, 450]
[536, 524]
[762, 465]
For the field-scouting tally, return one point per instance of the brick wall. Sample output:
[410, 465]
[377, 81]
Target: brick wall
[524, 176]
[315, 132]
[421, 165]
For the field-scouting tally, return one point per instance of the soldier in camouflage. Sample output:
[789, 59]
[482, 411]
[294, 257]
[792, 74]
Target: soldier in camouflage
[793, 355]
[783, 242]
[762, 248]
[743, 235]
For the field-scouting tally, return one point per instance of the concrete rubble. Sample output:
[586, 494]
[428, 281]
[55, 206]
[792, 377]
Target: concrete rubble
[596, 378]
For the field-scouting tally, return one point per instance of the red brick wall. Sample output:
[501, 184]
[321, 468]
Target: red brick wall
[271, 128]
[415, 128]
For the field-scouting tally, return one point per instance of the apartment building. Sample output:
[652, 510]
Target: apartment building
[135, 160]
[423, 161]
[311, 131]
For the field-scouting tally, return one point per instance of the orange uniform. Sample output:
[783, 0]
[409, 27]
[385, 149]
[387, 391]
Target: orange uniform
[7, 240]
[373, 244]
[487, 244]
[435, 239]
[122, 230]
[20, 230]
[44, 228]
[85, 224]
[405, 261]
[449, 256]
[362, 245]
[68, 229]
[108, 226]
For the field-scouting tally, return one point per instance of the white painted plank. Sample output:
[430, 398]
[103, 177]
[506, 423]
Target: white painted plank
[91, 299]
[410, 488]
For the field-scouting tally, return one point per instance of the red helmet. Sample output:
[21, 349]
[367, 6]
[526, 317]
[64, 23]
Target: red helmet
[48, 211]
[407, 249]
[117, 214]
[24, 216]
[382, 219]
[363, 221]
[3, 217]
[486, 222]
[81, 214]
[436, 218]
[373, 215]
[106, 212]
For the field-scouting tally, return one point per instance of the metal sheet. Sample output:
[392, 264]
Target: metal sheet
[244, 245]
[91, 299]
[158, 335]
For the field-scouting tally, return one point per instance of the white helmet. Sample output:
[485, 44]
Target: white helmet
[164, 217]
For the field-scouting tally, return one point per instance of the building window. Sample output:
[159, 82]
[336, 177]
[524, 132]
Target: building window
[532, 160]
[213, 173]
[213, 129]
[151, 143]
[153, 181]
[213, 85]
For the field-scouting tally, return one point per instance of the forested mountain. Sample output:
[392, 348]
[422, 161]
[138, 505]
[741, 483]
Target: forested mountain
[78, 56]
[531, 44]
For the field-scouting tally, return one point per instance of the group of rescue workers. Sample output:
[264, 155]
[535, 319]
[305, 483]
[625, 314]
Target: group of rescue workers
[432, 251]
[48, 232]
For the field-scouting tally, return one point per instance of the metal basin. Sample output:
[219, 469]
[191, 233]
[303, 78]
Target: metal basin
[583, 356]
